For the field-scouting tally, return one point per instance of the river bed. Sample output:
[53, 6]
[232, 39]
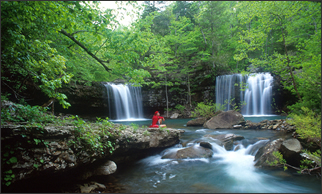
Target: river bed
[224, 172]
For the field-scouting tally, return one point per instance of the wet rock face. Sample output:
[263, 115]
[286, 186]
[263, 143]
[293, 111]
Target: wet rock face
[226, 140]
[265, 154]
[225, 120]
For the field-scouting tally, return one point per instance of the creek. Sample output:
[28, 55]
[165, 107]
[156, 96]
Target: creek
[226, 171]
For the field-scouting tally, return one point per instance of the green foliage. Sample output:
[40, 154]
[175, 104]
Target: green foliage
[27, 113]
[284, 38]
[236, 107]
[146, 133]
[8, 158]
[308, 163]
[122, 127]
[207, 110]
[98, 140]
[180, 108]
[307, 123]
[134, 127]
[279, 160]
[8, 177]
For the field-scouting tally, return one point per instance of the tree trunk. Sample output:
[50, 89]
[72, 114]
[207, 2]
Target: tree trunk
[166, 95]
[189, 93]
[289, 67]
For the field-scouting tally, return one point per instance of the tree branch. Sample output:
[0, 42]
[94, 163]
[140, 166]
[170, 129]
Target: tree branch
[85, 49]
[82, 31]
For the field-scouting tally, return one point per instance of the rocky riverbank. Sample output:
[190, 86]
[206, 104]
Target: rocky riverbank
[234, 120]
[31, 153]
[291, 147]
[70, 149]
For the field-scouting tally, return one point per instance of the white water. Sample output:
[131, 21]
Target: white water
[225, 172]
[258, 94]
[125, 102]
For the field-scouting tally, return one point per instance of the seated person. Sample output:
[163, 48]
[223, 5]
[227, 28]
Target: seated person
[157, 120]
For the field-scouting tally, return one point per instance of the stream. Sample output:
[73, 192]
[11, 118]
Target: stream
[225, 172]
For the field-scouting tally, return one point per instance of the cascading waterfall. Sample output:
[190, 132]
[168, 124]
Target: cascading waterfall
[257, 95]
[124, 101]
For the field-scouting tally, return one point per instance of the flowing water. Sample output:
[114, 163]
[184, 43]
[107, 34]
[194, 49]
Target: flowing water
[257, 93]
[226, 171]
[124, 101]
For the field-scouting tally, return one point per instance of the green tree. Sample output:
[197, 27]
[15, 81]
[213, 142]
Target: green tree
[297, 52]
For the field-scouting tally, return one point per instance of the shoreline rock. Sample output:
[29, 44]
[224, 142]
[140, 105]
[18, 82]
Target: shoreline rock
[197, 122]
[41, 153]
[225, 120]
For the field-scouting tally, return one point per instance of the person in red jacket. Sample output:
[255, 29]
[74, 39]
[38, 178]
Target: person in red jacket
[157, 120]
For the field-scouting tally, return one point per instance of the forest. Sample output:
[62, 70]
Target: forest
[48, 44]
[173, 46]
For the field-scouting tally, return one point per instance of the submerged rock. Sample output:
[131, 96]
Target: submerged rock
[205, 145]
[225, 120]
[226, 140]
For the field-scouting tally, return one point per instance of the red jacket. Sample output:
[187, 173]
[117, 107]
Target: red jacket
[155, 119]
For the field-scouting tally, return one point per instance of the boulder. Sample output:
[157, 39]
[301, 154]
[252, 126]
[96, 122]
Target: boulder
[107, 168]
[93, 186]
[237, 126]
[291, 149]
[225, 120]
[226, 140]
[190, 152]
[255, 147]
[265, 154]
[174, 116]
[197, 122]
[205, 145]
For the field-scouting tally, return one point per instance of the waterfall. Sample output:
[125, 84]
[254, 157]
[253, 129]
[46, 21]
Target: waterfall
[257, 95]
[124, 101]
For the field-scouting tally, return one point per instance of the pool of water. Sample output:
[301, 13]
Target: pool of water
[225, 172]
[177, 123]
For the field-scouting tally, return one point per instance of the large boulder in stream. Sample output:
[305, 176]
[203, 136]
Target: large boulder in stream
[291, 150]
[226, 140]
[197, 122]
[265, 156]
[195, 151]
[225, 120]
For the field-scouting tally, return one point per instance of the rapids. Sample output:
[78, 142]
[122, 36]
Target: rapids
[226, 171]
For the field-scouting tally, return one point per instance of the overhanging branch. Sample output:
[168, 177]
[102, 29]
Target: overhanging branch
[86, 50]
